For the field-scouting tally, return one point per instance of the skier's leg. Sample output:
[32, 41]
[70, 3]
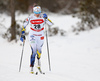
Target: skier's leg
[39, 49]
[38, 57]
[33, 48]
[32, 59]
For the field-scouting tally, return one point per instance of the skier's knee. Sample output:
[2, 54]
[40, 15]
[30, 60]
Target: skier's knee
[38, 55]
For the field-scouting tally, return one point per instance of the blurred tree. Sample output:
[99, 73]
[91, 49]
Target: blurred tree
[4, 5]
[67, 6]
[22, 5]
[13, 23]
[89, 14]
[51, 5]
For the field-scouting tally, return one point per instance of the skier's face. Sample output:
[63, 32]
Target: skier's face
[37, 15]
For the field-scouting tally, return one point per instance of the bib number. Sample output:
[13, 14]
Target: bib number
[37, 26]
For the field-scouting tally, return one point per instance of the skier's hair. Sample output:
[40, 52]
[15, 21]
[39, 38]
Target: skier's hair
[35, 5]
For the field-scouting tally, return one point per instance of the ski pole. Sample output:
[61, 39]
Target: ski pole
[48, 51]
[21, 56]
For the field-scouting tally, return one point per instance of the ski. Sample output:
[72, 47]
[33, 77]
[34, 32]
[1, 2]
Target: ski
[32, 72]
[43, 73]
[40, 70]
[36, 73]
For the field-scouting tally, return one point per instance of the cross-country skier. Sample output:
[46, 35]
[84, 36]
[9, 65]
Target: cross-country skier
[37, 21]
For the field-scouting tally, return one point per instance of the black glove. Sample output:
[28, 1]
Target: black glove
[23, 36]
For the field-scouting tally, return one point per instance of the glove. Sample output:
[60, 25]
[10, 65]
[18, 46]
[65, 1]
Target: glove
[45, 16]
[22, 38]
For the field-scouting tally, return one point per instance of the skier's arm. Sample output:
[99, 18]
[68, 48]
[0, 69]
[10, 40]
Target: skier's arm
[23, 29]
[24, 25]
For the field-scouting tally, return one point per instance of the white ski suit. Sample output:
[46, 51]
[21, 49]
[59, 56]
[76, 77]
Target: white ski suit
[36, 34]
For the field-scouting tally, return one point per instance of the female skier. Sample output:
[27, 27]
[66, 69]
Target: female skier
[37, 21]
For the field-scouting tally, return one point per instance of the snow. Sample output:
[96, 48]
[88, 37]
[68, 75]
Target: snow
[64, 22]
[73, 57]
[4, 19]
